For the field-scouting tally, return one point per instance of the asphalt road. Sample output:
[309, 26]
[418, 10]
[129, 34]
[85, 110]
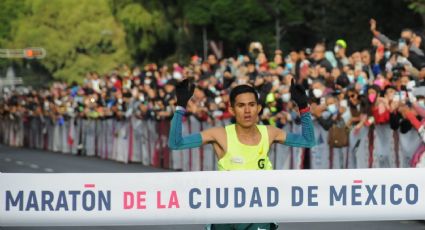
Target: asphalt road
[17, 160]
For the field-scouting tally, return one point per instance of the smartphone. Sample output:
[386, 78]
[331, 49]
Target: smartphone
[401, 43]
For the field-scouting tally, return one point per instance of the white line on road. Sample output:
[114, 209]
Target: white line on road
[34, 166]
[48, 170]
[19, 162]
[7, 159]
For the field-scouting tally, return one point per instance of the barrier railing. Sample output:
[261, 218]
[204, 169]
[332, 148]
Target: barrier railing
[145, 141]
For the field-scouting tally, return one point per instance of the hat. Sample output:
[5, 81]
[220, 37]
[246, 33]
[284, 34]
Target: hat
[272, 65]
[341, 43]
[270, 98]
[195, 58]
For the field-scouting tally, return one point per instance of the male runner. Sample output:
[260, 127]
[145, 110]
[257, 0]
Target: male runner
[244, 145]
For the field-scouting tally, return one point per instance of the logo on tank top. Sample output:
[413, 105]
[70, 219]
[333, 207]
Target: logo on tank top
[260, 163]
[236, 160]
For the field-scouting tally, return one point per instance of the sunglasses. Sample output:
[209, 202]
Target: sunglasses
[352, 95]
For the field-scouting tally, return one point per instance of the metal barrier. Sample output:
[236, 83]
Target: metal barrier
[145, 141]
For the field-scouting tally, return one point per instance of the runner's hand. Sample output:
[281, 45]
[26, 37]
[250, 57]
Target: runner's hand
[298, 95]
[184, 91]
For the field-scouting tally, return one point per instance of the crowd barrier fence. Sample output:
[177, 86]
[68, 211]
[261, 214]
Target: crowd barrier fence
[145, 142]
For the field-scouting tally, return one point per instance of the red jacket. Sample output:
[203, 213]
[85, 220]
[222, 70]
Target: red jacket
[380, 118]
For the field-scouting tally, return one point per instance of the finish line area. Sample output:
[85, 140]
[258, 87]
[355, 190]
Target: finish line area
[111, 199]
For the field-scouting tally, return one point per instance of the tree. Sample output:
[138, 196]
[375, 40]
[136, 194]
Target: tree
[79, 36]
[239, 22]
[285, 14]
[145, 24]
[349, 20]
[419, 7]
[10, 10]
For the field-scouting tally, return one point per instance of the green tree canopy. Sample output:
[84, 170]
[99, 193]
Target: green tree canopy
[145, 26]
[98, 35]
[79, 36]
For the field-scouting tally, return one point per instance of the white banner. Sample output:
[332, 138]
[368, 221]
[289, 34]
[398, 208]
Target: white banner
[211, 197]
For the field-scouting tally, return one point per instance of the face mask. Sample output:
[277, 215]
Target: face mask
[421, 103]
[410, 85]
[309, 81]
[396, 97]
[217, 100]
[317, 93]
[351, 78]
[212, 89]
[336, 49]
[361, 80]
[379, 82]
[289, 66]
[372, 97]
[387, 54]
[332, 109]
[286, 97]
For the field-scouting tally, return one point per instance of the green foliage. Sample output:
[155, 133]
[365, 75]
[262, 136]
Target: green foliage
[418, 6]
[145, 27]
[197, 12]
[238, 22]
[9, 9]
[241, 20]
[98, 35]
[79, 36]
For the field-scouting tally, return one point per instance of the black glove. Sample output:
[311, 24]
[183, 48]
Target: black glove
[298, 95]
[184, 91]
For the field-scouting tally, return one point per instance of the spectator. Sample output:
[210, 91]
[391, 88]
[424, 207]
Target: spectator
[319, 57]
[340, 53]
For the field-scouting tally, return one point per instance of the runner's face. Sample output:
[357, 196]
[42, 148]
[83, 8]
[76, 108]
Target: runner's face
[246, 109]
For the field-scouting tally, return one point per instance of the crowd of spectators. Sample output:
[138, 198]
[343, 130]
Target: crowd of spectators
[378, 85]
